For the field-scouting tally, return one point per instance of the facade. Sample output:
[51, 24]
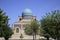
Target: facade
[18, 27]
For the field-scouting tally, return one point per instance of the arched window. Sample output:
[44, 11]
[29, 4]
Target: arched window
[17, 30]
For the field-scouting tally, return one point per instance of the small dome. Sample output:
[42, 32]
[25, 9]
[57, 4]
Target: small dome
[27, 12]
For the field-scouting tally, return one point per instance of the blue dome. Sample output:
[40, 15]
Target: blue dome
[27, 12]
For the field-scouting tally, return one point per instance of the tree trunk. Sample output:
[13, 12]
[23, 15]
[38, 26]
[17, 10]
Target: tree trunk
[57, 34]
[33, 36]
[6, 38]
[57, 38]
[47, 38]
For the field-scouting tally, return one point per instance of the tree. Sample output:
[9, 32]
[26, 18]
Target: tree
[5, 30]
[44, 33]
[28, 30]
[32, 29]
[50, 24]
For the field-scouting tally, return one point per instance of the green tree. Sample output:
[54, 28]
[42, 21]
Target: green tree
[28, 30]
[50, 24]
[32, 29]
[5, 30]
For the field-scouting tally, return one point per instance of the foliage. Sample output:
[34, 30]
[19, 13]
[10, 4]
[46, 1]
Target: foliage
[32, 29]
[5, 30]
[50, 24]
[28, 30]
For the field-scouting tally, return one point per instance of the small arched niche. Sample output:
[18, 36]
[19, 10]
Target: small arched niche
[17, 30]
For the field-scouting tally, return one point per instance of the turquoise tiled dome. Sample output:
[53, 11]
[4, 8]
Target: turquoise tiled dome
[27, 12]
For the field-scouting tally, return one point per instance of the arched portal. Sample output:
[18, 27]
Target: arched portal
[17, 30]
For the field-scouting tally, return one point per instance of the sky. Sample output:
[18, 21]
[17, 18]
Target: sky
[14, 8]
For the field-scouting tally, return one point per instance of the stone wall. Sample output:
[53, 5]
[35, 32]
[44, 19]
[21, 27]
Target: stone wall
[26, 39]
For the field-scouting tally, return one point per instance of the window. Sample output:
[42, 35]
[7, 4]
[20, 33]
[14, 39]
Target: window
[17, 30]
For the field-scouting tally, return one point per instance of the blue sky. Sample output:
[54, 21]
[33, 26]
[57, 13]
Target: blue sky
[14, 8]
